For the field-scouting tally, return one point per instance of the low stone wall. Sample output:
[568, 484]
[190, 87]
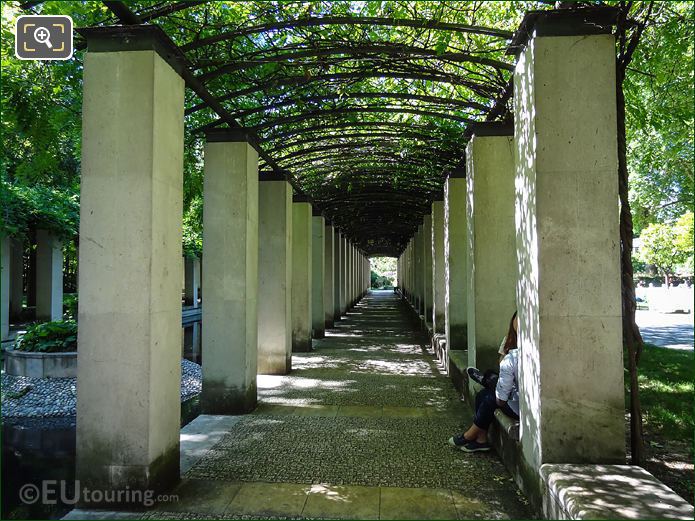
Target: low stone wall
[41, 365]
[576, 491]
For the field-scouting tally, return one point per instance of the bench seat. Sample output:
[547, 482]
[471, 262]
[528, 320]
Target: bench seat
[583, 491]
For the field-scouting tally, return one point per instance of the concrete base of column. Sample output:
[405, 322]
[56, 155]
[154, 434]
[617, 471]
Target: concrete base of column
[222, 399]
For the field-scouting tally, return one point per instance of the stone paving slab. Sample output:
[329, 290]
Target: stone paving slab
[259, 500]
[386, 451]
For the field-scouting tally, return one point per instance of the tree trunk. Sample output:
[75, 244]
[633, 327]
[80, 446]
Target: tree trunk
[631, 335]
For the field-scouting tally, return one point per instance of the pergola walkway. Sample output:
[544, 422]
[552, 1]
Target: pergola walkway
[358, 430]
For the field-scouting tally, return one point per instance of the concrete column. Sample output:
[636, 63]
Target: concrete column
[192, 274]
[4, 287]
[455, 261]
[343, 275]
[353, 273]
[318, 274]
[437, 256]
[16, 277]
[420, 269]
[410, 272]
[301, 274]
[129, 373]
[230, 276]
[337, 275]
[348, 275]
[492, 264]
[427, 267]
[568, 244]
[49, 276]
[414, 268]
[328, 282]
[274, 275]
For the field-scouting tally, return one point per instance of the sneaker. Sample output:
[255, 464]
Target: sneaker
[458, 441]
[474, 446]
[475, 375]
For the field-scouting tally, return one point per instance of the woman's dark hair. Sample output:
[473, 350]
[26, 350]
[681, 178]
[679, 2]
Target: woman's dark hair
[510, 342]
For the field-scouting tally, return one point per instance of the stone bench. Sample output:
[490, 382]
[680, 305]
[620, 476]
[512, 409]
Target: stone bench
[504, 432]
[577, 491]
[507, 424]
[580, 491]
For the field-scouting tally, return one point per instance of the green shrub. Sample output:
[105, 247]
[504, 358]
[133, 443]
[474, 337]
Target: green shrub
[70, 306]
[49, 337]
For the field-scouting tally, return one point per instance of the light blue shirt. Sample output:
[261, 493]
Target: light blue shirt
[507, 388]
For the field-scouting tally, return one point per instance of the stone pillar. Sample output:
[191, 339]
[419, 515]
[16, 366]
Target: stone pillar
[427, 268]
[567, 238]
[301, 274]
[455, 261]
[274, 274]
[4, 287]
[230, 276]
[343, 275]
[192, 275]
[437, 256]
[410, 272]
[49, 276]
[337, 275]
[492, 266]
[129, 373]
[31, 273]
[416, 258]
[318, 274]
[16, 277]
[353, 273]
[328, 282]
[420, 269]
[348, 275]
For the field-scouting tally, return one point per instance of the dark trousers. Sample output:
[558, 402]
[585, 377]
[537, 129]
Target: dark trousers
[485, 405]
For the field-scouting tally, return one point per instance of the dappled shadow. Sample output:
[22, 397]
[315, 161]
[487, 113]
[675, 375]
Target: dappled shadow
[610, 491]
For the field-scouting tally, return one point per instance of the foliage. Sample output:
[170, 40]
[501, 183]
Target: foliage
[70, 306]
[193, 229]
[380, 282]
[668, 245]
[383, 271]
[50, 337]
[397, 126]
[659, 101]
[25, 207]
[684, 239]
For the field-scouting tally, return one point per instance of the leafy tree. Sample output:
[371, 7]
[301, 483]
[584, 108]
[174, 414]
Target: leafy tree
[684, 239]
[659, 120]
[667, 246]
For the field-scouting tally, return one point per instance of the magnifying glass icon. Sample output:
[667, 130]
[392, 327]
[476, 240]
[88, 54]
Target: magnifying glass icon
[43, 35]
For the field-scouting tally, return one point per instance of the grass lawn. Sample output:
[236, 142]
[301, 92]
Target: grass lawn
[666, 378]
[666, 390]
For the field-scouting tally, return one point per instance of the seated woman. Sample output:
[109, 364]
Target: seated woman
[505, 396]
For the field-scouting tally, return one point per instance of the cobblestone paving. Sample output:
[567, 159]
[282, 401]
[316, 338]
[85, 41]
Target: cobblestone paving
[364, 418]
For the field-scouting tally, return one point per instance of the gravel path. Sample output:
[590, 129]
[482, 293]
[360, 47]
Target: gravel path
[367, 409]
[24, 397]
